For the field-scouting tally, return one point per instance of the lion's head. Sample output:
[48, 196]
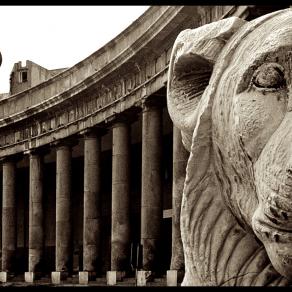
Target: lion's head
[229, 92]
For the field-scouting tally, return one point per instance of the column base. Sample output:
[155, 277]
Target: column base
[172, 277]
[5, 276]
[30, 277]
[113, 276]
[75, 262]
[57, 277]
[85, 277]
[144, 277]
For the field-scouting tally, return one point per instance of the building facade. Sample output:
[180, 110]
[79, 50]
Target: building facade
[92, 167]
[29, 75]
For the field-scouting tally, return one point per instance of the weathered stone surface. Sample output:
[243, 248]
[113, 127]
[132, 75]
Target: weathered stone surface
[236, 205]
[194, 60]
[180, 157]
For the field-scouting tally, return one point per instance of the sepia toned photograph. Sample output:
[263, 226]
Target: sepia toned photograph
[146, 146]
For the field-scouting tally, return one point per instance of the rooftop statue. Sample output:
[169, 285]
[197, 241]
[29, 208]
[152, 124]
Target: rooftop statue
[230, 94]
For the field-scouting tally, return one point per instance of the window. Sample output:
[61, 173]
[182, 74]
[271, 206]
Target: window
[22, 76]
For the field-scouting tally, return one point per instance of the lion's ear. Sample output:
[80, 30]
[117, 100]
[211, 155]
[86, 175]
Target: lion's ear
[193, 56]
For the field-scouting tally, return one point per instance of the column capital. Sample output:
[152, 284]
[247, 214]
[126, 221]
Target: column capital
[93, 132]
[36, 151]
[125, 117]
[64, 142]
[152, 102]
[11, 158]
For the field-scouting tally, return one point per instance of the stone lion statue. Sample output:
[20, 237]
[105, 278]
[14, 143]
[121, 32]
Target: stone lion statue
[230, 94]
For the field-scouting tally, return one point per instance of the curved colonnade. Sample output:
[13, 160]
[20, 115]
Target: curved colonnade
[113, 99]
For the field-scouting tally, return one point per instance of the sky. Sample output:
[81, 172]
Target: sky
[58, 36]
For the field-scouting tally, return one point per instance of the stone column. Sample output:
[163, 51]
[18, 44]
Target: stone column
[64, 251]
[36, 217]
[120, 236]
[180, 157]
[92, 207]
[8, 220]
[151, 200]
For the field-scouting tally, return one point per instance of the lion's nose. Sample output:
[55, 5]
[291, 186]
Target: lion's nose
[272, 224]
[282, 215]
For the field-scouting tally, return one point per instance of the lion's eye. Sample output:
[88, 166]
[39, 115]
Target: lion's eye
[269, 75]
